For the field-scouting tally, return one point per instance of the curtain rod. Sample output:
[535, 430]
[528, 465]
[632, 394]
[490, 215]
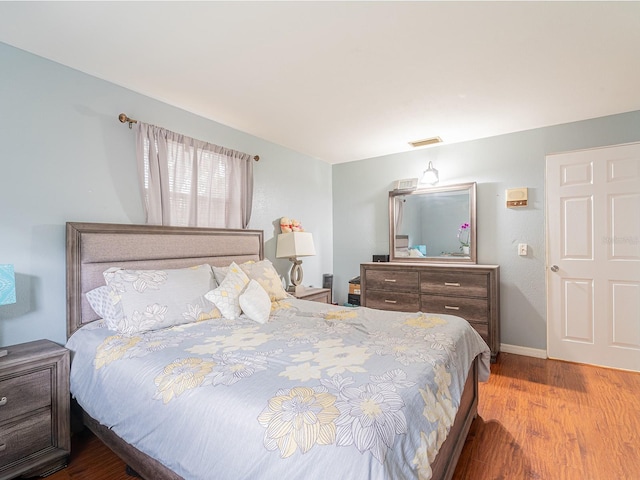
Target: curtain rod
[125, 119]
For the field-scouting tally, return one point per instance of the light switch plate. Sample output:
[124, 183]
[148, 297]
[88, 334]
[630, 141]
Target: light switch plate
[522, 249]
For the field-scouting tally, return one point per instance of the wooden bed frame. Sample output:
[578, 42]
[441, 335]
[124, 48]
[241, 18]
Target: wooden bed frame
[94, 247]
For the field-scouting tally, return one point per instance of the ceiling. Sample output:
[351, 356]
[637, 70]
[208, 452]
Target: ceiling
[344, 81]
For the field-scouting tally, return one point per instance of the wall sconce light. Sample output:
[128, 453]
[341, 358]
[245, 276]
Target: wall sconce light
[7, 289]
[293, 245]
[430, 175]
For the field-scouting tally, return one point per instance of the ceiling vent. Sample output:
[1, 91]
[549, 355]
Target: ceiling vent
[426, 141]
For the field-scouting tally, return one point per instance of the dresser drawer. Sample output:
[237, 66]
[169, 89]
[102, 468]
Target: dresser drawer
[392, 280]
[482, 329]
[25, 393]
[447, 283]
[31, 435]
[471, 309]
[399, 302]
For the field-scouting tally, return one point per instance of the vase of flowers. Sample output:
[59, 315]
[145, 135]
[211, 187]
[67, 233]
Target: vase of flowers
[463, 238]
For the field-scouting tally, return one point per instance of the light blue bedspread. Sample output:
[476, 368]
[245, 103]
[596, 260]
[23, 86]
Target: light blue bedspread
[318, 392]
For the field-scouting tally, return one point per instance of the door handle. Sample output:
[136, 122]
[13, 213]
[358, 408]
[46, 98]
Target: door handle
[554, 268]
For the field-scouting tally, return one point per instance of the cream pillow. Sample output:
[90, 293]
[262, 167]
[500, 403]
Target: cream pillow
[155, 299]
[219, 273]
[226, 296]
[255, 302]
[266, 275]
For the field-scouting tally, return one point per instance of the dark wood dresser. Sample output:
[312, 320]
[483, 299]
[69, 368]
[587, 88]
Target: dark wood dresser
[35, 434]
[469, 291]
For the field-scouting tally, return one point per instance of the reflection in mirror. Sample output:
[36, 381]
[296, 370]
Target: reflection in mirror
[433, 224]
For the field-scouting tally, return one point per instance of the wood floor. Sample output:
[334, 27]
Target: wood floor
[538, 419]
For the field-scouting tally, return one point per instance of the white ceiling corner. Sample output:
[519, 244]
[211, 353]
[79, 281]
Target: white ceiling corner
[344, 81]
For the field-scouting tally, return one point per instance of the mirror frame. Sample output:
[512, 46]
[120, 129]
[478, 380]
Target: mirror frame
[471, 258]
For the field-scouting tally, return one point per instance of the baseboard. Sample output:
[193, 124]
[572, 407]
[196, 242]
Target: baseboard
[526, 351]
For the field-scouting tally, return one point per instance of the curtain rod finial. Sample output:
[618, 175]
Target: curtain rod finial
[125, 119]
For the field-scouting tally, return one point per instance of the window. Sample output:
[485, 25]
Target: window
[188, 182]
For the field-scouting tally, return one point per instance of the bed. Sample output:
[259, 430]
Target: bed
[319, 391]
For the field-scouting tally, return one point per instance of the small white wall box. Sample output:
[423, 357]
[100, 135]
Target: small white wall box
[406, 184]
[516, 197]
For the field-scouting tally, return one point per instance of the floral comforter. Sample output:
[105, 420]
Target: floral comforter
[319, 391]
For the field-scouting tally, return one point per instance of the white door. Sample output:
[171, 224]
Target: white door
[593, 256]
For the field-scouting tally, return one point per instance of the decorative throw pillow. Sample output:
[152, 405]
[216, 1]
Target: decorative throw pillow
[255, 302]
[155, 299]
[219, 273]
[266, 275]
[226, 296]
[105, 301]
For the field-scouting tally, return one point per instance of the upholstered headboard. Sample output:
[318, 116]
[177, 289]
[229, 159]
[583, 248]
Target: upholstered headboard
[94, 247]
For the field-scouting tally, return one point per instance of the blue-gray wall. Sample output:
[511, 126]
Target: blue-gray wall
[360, 210]
[65, 157]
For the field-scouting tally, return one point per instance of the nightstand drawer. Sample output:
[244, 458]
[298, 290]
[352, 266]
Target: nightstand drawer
[25, 393]
[471, 309]
[399, 302]
[321, 295]
[18, 440]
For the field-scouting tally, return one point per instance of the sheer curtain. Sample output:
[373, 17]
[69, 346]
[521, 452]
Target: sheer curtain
[188, 182]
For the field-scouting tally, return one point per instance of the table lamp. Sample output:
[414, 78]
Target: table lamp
[292, 246]
[7, 289]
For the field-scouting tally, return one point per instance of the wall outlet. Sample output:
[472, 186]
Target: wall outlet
[522, 249]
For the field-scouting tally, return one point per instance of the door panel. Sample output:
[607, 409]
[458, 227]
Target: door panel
[577, 218]
[578, 311]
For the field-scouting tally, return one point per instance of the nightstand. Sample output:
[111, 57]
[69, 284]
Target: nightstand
[35, 434]
[322, 295]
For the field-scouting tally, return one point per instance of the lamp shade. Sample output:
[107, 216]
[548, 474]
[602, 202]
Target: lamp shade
[295, 244]
[7, 285]
[430, 175]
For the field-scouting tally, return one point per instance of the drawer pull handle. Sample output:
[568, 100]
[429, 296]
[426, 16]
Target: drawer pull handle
[3, 401]
[3, 447]
[450, 307]
[390, 301]
[392, 280]
[451, 284]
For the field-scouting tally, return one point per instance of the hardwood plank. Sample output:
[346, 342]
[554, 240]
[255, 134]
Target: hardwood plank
[546, 419]
[537, 419]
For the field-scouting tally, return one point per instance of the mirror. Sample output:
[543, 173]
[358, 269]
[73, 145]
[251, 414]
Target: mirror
[435, 224]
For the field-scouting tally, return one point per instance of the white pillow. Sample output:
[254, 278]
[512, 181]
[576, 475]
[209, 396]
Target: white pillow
[255, 302]
[226, 296]
[154, 299]
[105, 301]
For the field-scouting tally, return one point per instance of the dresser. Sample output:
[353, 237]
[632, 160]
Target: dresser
[468, 291]
[34, 409]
